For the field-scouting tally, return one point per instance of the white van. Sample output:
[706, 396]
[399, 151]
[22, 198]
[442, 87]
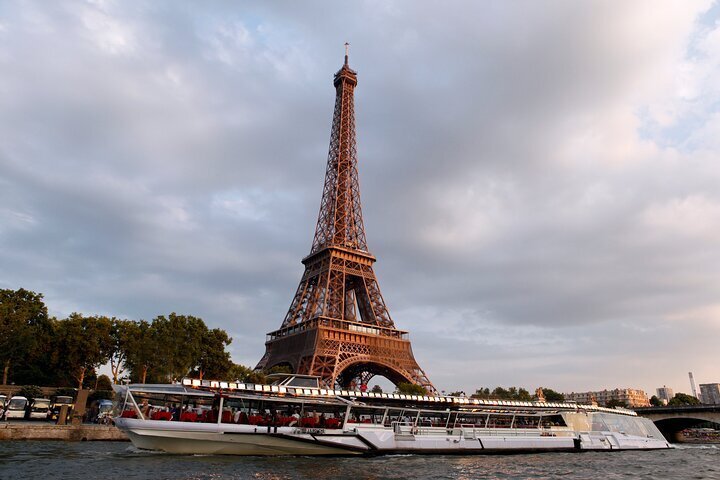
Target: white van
[16, 407]
[40, 409]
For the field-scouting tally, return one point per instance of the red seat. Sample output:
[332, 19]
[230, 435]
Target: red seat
[332, 423]
[255, 420]
[227, 417]
[128, 414]
[161, 416]
[188, 417]
[308, 422]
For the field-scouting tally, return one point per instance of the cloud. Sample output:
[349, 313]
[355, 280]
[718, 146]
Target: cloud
[539, 181]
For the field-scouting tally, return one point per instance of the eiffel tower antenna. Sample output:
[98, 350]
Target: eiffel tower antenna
[338, 326]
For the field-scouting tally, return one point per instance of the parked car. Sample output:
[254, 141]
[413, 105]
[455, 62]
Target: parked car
[3, 400]
[16, 407]
[60, 400]
[39, 409]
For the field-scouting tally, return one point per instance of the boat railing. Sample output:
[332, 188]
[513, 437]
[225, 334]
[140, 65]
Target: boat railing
[472, 432]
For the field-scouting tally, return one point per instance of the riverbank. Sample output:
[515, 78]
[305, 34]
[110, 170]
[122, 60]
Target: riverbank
[67, 433]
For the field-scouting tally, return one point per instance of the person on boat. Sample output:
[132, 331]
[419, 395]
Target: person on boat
[243, 418]
[295, 420]
[145, 409]
[321, 421]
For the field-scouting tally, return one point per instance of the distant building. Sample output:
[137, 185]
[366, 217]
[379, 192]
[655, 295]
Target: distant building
[665, 394]
[710, 393]
[631, 396]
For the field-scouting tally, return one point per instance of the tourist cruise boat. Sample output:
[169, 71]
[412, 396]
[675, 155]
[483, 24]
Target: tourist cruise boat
[294, 416]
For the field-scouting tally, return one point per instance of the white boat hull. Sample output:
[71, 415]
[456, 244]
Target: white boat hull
[232, 439]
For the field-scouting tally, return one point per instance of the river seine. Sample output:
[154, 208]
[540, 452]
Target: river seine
[119, 460]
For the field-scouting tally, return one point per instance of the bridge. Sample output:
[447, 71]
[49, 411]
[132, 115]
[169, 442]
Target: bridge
[672, 420]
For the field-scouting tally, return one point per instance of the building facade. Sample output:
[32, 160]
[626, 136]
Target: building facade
[710, 393]
[665, 394]
[630, 396]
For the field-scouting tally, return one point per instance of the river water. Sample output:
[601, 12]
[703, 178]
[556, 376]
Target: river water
[119, 460]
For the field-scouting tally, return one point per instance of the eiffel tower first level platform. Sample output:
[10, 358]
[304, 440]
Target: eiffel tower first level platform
[338, 326]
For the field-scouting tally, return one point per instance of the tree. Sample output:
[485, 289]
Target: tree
[553, 396]
[481, 393]
[21, 313]
[683, 399]
[214, 361]
[179, 340]
[239, 373]
[500, 393]
[122, 335]
[523, 395]
[376, 389]
[31, 392]
[103, 383]
[83, 343]
[613, 402]
[141, 352]
[407, 388]
[655, 401]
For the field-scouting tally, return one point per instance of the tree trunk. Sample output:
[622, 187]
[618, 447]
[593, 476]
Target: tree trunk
[113, 370]
[6, 371]
[81, 378]
[144, 374]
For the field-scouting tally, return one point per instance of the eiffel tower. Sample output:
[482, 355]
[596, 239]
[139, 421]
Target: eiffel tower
[338, 326]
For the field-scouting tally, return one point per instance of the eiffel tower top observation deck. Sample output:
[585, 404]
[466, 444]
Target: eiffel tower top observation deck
[338, 326]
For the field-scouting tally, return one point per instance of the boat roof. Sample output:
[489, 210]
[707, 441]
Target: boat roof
[208, 388]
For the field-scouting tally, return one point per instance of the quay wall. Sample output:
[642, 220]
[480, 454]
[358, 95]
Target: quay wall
[68, 433]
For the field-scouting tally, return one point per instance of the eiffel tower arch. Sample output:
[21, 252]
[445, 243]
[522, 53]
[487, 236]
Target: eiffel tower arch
[338, 326]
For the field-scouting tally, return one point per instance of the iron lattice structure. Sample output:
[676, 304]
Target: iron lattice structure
[338, 326]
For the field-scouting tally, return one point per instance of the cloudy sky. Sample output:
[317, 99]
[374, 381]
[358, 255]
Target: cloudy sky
[540, 180]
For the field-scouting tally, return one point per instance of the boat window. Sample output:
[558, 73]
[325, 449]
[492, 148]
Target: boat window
[549, 421]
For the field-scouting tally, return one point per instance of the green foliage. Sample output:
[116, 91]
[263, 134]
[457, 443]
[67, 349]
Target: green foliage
[612, 403]
[141, 352]
[179, 338]
[239, 373]
[280, 369]
[481, 393]
[35, 349]
[214, 361]
[121, 337]
[23, 315]
[376, 389]
[500, 393]
[103, 383]
[407, 388]
[683, 399]
[655, 401]
[256, 377]
[30, 392]
[553, 396]
[82, 344]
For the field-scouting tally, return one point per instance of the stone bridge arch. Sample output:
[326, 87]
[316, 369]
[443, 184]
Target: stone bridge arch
[672, 420]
